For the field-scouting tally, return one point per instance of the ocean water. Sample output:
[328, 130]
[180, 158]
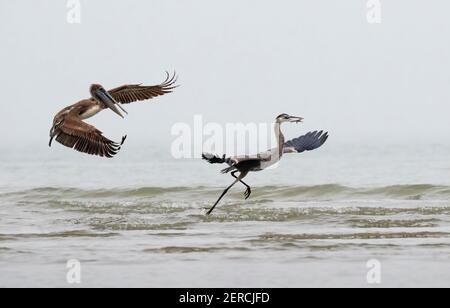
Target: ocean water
[138, 220]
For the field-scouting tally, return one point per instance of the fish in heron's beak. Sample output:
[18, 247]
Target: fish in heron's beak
[296, 119]
[110, 101]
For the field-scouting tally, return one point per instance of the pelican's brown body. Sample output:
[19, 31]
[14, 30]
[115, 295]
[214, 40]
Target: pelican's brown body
[85, 109]
[70, 130]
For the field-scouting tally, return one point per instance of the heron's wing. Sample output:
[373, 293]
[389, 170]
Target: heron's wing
[308, 142]
[132, 93]
[85, 138]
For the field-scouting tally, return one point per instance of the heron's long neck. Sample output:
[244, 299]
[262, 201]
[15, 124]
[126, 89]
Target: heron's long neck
[280, 137]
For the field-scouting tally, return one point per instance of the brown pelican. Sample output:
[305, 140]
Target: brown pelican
[246, 164]
[70, 130]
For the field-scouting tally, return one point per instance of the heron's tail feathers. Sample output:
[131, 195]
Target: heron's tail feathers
[214, 159]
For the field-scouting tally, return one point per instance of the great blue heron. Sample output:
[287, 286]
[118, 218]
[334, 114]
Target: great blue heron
[246, 164]
[70, 130]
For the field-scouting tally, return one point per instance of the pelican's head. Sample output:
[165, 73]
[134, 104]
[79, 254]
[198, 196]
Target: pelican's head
[101, 95]
[285, 118]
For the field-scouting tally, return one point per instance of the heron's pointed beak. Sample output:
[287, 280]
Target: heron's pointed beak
[109, 101]
[296, 119]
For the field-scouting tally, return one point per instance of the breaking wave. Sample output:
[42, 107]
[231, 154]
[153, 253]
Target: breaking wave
[321, 192]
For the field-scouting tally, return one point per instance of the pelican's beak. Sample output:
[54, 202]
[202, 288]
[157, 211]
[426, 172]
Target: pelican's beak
[296, 119]
[109, 101]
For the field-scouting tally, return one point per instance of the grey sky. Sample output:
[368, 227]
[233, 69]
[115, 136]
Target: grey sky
[238, 61]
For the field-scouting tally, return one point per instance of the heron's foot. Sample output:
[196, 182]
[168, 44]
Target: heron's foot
[248, 193]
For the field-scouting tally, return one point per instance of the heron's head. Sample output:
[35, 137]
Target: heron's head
[285, 118]
[101, 95]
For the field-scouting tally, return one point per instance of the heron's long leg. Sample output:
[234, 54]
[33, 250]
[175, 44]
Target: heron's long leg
[223, 194]
[248, 192]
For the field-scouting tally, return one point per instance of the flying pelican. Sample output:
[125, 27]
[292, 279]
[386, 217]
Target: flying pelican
[262, 161]
[70, 130]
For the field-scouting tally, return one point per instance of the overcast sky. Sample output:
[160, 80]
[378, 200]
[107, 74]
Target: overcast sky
[238, 61]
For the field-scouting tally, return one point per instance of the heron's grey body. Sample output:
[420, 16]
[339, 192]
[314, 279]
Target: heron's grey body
[264, 160]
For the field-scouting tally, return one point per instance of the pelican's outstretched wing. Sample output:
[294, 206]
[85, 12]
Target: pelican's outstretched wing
[133, 93]
[308, 142]
[85, 138]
